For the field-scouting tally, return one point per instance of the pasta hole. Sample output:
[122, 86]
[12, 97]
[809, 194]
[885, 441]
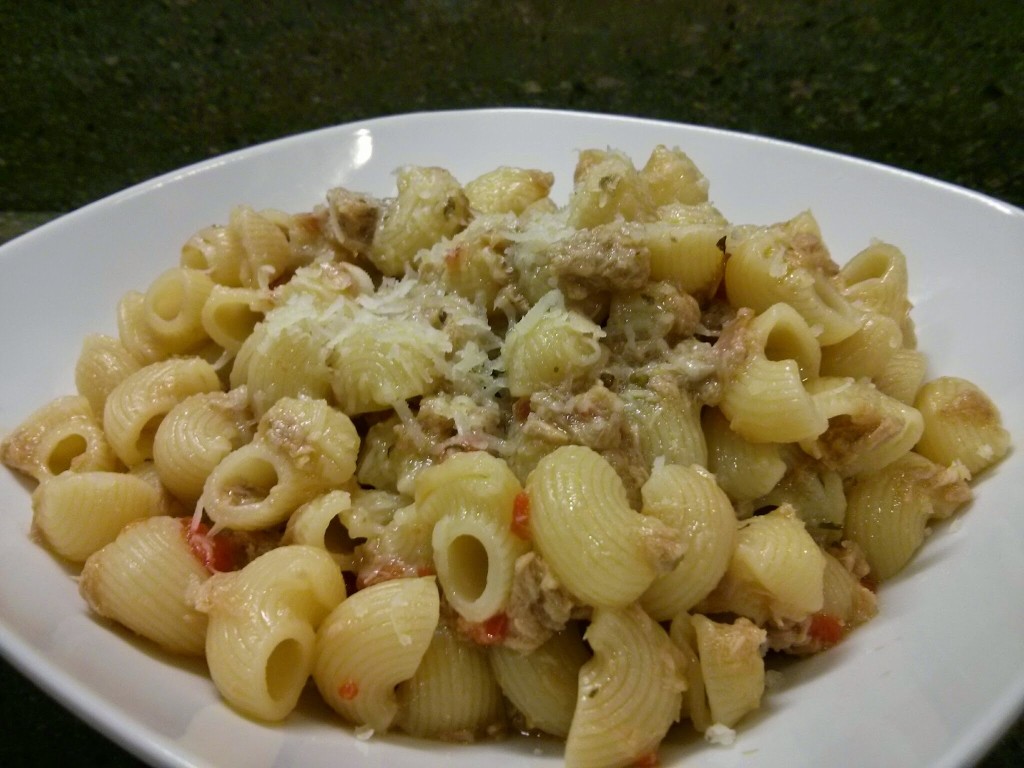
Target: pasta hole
[870, 266]
[284, 668]
[193, 258]
[468, 562]
[237, 321]
[148, 434]
[336, 538]
[253, 485]
[167, 303]
[829, 295]
[783, 343]
[66, 450]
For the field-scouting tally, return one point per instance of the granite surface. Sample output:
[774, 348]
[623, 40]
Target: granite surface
[99, 95]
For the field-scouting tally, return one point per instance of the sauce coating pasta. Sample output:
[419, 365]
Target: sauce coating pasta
[476, 463]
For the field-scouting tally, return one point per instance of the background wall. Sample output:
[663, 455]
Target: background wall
[96, 96]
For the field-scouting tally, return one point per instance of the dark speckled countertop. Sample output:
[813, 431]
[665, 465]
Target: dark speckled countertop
[97, 96]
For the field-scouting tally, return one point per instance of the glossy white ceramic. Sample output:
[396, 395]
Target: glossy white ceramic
[931, 682]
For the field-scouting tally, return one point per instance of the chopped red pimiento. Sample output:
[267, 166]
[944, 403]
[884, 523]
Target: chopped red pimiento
[452, 257]
[217, 553]
[521, 516]
[646, 760]
[348, 690]
[492, 631]
[826, 629]
[521, 408]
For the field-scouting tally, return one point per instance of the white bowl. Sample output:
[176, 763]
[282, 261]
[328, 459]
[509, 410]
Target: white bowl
[932, 681]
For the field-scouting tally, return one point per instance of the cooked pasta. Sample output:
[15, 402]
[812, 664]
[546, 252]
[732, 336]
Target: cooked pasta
[477, 462]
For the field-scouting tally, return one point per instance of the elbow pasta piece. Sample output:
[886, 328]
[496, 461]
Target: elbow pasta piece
[173, 308]
[775, 573]
[430, 206]
[262, 627]
[605, 553]
[866, 430]
[370, 643]
[255, 487]
[788, 263]
[471, 264]
[672, 177]
[453, 694]
[766, 399]
[102, 364]
[301, 448]
[146, 580]
[285, 356]
[688, 500]
[230, 315]
[549, 345]
[961, 423]
[902, 375]
[629, 693]
[216, 251]
[731, 666]
[607, 186]
[377, 363]
[134, 332]
[687, 255]
[888, 511]
[865, 353]
[875, 280]
[138, 404]
[319, 440]
[542, 684]
[320, 523]
[508, 189]
[695, 701]
[471, 497]
[61, 436]
[668, 423]
[262, 238]
[744, 470]
[195, 435]
[77, 513]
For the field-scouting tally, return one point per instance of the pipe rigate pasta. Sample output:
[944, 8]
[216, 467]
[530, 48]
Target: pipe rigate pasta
[960, 424]
[629, 693]
[195, 435]
[79, 512]
[463, 455]
[146, 580]
[542, 684]
[138, 404]
[262, 626]
[472, 497]
[731, 665]
[603, 551]
[453, 694]
[102, 364]
[370, 643]
[688, 500]
[789, 263]
[60, 436]
[766, 399]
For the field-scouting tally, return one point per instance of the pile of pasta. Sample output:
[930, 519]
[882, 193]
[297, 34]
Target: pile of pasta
[476, 463]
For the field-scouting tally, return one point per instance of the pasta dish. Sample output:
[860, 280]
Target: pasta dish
[471, 462]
